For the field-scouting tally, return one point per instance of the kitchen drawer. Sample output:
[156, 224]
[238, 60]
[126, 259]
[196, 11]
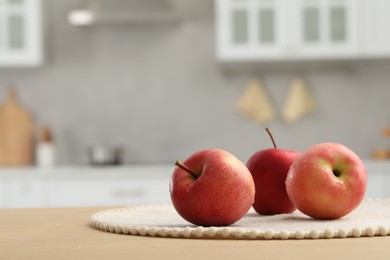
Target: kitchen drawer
[23, 194]
[107, 193]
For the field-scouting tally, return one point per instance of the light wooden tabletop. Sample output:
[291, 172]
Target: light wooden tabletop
[65, 234]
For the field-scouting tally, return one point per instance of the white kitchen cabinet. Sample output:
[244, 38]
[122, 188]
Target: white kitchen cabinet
[84, 186]
[327, 29]
[2, 195]
[261, 30]
[103, 193]
[20, 33]
[24, 194]
[117, 186]
[374, 21]
[249, 29]
[378, 179]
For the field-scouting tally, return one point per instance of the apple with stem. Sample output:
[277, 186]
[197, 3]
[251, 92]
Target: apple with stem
[211, 188]
[327, 181]
[269, 169]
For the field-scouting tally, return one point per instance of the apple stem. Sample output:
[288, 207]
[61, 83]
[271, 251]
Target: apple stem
[272, 138]
[182, 166]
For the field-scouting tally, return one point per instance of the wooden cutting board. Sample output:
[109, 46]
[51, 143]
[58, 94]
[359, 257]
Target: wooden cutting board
[16, 133]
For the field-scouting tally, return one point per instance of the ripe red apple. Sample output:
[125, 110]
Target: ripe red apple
[212, 188]
[327, 181]
[269, 169]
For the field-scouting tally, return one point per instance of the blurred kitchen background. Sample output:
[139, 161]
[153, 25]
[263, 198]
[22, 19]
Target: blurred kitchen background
[160, 79]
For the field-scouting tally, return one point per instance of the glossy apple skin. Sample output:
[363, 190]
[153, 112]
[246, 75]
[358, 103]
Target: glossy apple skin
[221, 195]
[269, 169]
[316, 191]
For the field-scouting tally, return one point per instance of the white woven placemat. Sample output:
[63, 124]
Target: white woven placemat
[371, 218]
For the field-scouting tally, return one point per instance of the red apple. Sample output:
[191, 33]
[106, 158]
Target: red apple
[269, 169]
[212, 188]
[327, 181]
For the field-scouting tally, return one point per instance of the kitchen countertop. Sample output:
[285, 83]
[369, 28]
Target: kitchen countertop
[64, 233]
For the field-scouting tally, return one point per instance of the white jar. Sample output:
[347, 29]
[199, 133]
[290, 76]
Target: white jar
[45, 154]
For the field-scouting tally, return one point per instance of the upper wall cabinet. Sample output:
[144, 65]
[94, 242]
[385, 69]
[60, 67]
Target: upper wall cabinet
[301, 29]
[20, 33]
[374, 39]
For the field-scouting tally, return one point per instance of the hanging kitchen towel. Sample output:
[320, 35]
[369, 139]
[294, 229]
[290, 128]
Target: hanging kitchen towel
[299, 102]
[255, 104]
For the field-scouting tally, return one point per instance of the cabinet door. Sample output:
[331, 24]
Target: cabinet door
[326, 28]
[22, 194]
[249, 29]
[286, 29]
[377, 187]
[374, 19]
[20, 33]
[107, 193]
[3, 194]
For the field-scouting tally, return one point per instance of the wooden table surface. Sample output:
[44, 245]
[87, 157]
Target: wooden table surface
[65, 234]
